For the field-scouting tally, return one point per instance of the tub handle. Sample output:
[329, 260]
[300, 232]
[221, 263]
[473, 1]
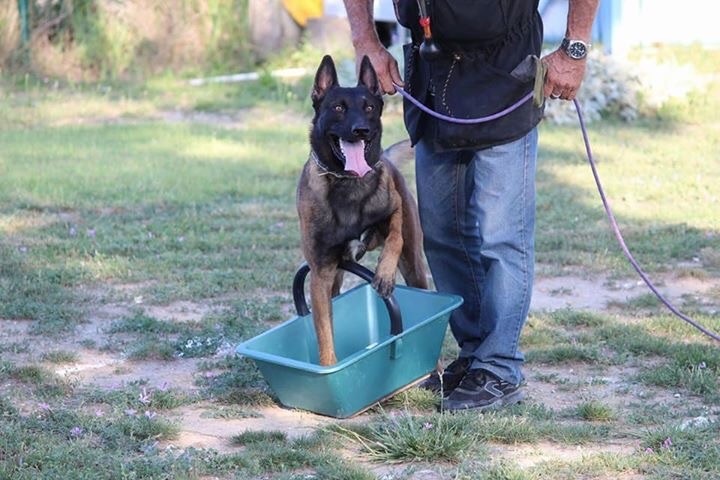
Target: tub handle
[301, 306]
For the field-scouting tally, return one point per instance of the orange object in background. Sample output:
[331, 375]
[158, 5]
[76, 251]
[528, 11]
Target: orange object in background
[303, 10]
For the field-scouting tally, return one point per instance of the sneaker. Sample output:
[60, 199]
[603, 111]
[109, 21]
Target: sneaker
[451, 377]
[481, 390]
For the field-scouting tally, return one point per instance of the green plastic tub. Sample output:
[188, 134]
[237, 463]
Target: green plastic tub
[382, 346]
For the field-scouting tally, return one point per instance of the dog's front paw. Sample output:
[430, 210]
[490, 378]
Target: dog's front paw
[384, 285]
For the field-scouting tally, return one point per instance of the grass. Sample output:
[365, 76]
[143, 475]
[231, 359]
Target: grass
[415, 438]
[115, 210]
[595, 411]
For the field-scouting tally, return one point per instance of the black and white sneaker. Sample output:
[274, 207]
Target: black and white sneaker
[481, 390]
[450, 379]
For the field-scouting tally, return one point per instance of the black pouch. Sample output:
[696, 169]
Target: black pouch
[466, 86]
[417, 80]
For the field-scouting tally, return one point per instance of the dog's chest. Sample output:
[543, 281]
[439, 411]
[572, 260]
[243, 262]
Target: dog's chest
[354, 211]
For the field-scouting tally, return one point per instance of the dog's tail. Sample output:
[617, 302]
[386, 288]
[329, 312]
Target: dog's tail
[399, 153]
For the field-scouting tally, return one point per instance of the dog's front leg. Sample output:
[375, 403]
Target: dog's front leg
[321, 285]
[384, 280]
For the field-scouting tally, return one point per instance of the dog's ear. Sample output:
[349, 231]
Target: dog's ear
[325, 79]
[368, 77]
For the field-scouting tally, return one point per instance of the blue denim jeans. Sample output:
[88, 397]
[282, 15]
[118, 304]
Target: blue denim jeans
[477, 210]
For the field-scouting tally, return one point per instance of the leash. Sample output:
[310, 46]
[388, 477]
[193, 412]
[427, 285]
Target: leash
[462, 121]
[606, 204]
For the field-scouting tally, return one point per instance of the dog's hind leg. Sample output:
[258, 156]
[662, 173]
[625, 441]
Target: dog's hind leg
[337, 283]
[412, 268]
[412, 264]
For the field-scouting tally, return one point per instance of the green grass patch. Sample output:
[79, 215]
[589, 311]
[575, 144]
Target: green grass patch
[251, 437]
[61, 443]
[140, 396]
[595, 411]
[236, 381]
[60, 357]
[416, 399]
[140, 323]
[694, 451]
[34, 290]
[565, 354]
[408, 437]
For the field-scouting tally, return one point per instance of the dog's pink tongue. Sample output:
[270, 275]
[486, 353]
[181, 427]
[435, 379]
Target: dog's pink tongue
[355, 157]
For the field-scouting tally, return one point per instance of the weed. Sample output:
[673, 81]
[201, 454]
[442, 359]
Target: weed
[573, 318]
[695, 379]
[139, 322]
[139, 396]
[640, 303]
[152, 349]
[694, 451]
[229, 412]
[198, 346]
[7, 408]
[506, 428]
[565, 353]
[504, 470]
[251, 437]
[589, 466]
[407, 437]
[37, 292]
[60, 357]
[575, 434]
[595, 411]
[417, 399]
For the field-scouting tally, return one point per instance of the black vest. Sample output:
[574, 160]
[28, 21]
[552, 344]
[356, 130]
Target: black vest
[482, 42]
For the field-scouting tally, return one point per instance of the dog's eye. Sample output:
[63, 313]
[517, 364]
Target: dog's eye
[339, 108]
[369, 108]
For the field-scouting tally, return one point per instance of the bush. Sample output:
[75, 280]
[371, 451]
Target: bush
[620, 89]
[107, 39]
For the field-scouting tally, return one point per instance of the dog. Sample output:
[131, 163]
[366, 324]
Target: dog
[351, 199]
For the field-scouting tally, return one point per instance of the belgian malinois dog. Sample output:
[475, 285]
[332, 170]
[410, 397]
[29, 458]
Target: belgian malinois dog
[351, 199]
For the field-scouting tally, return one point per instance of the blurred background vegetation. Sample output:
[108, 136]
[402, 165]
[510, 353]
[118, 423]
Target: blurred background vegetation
[85, 42]
[92, 40]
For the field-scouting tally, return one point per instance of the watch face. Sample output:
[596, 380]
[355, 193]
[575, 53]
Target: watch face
[577, 50]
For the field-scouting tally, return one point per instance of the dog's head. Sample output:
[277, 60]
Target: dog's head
[346, 129]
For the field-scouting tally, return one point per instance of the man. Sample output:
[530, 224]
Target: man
[476, 183]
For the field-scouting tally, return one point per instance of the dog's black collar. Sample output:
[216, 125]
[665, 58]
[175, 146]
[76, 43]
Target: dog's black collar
[326, 170]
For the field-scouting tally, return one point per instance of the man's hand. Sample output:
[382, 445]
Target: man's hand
[385, 65]
[564, 75]
[366, 42]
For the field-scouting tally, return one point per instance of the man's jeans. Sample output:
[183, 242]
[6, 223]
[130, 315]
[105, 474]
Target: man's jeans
[477, 210]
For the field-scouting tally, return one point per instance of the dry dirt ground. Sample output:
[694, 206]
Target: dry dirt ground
[107, 369]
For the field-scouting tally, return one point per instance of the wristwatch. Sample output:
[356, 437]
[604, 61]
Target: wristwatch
[575, 49]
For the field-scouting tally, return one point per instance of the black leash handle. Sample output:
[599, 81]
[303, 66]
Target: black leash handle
[301, 306]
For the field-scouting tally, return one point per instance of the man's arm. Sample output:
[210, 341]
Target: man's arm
[366, 42]
[565, 74]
